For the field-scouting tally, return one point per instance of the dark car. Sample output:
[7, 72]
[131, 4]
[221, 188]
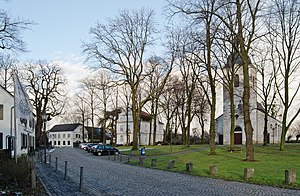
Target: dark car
[105, 150]
[89, 147]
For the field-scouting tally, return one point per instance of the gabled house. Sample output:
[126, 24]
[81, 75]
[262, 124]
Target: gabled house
[14, 130]
[67, 135]
[124, 131]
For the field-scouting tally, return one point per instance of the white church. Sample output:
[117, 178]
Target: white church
[256, 112]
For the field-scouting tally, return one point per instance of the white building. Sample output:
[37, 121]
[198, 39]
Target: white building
[67, 135]
[23, 135]
[256, 113]
[145, 120]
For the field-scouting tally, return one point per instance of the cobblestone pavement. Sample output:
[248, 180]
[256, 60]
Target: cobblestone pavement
[108, 177]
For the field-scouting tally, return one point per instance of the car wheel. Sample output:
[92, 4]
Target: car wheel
[99, 153]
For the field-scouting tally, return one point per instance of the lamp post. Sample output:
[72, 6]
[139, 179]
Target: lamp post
[172, 126]
[44, 119]
[273, 129]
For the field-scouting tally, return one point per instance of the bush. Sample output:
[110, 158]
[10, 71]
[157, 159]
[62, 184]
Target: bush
[16, 177]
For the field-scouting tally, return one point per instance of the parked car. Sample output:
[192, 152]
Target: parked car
[90, 146]
[83, 145]
[100, 150]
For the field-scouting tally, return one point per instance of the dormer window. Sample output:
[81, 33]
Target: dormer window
[236, 80]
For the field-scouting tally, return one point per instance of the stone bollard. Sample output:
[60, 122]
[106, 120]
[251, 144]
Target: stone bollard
[290, 176]
[213, 169]
[81, 179]
[171, 164]
[248, 173]
[141, 158]
[33, 177]
[153, 162]
[189, 166]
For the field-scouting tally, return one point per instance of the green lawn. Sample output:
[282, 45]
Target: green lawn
[270, 164]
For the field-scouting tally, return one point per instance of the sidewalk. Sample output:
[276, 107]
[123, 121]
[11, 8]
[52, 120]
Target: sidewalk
[54, 182]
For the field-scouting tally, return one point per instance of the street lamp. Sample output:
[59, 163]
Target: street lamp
[44, 119]
[273, 129]
[172, 127]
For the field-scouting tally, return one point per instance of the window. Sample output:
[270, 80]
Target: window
[64, 142]
[69, 143]
[54, 136]
[54, 143]
[58, 136]
[1, 140]
[58, 142]
[236, 80]
[64, 135]
[1, 112]
[24, 141]
[121, 138]
[69, 135]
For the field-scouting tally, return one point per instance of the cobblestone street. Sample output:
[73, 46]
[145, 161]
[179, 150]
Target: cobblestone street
[107, 177]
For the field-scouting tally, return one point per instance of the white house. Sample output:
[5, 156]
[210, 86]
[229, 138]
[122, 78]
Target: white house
[256, 113]
[67, 135]
[123, 124]
[23, 134]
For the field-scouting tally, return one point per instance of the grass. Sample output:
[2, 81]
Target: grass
[270, 163]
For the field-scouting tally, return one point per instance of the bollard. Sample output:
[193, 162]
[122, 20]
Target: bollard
[189, 166]
[121, 158]
[56, 164]
[153, 163]
[171, 164]
[141, 160]
[49, 160]
[33, 177]
[108, 154]
[128, 158]
[213, 170]
[80, 180]
[290, 176]
[66, 169]
[248, 173]
[41, 156]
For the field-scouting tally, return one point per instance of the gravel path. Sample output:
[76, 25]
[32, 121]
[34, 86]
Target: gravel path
[108, 177]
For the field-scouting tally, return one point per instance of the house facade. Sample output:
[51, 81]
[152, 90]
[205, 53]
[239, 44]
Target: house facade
[17, 135]
[256, 113]
[67, 135]
[125, 123]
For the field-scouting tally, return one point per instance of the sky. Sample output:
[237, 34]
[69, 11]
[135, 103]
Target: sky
[62, 25]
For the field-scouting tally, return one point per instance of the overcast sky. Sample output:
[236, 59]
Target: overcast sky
[62, 25]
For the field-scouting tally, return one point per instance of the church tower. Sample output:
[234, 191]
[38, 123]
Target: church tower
[239, 130]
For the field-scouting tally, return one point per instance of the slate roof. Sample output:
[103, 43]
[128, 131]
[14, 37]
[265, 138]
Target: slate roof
[64, 127]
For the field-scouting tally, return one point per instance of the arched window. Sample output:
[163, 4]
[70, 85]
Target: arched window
[236, 80]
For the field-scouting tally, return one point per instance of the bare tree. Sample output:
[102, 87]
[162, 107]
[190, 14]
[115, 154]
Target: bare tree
[284, 28]
[120, 47]
[155, 66]
[89, 85]
[266, 87]
[246, 15]
[10, 32]
[201, 14]
[7, 65]
[104, 86]
[46, 83]
[201, 109]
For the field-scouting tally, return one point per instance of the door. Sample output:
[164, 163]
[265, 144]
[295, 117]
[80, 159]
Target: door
[238, 138]
[220, 139]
